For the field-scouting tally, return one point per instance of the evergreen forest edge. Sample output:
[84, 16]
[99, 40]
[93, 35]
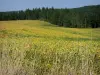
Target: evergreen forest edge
[82, 17]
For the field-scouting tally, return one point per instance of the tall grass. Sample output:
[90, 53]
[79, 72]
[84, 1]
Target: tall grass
[45, 50]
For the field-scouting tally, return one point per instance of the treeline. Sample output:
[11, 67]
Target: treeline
[83, 17]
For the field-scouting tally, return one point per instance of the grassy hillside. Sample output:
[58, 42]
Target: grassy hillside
[41, 29]
[30, 47]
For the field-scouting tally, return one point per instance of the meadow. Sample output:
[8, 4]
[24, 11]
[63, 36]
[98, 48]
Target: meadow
[33, 47]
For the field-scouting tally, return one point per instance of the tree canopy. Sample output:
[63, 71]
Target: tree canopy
[83, 17]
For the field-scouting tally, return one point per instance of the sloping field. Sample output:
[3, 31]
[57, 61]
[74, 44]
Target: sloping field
[43, 29]
[32, 47]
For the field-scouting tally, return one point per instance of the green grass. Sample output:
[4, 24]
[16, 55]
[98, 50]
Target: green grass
[39, 48]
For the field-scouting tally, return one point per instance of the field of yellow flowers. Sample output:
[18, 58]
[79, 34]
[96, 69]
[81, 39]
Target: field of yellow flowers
[33, 47]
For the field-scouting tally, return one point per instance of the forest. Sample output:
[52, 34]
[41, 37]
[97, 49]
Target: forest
[82, 17]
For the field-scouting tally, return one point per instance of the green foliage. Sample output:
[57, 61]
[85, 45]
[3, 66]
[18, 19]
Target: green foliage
[82, 17]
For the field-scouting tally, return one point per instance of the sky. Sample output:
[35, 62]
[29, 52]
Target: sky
[13, 5]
